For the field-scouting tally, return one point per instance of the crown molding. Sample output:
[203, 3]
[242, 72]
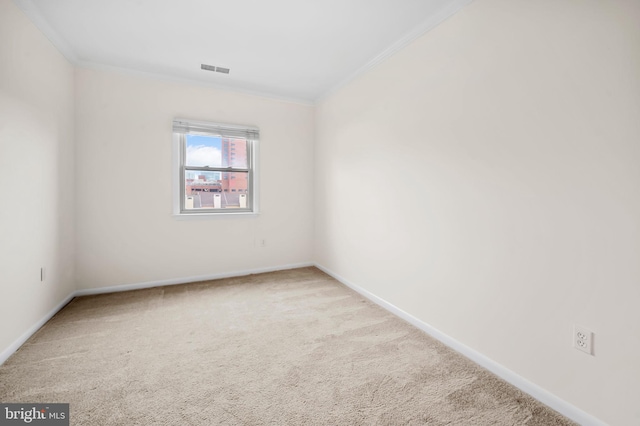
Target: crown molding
[427, 25]
[189, 81]
[33, 13]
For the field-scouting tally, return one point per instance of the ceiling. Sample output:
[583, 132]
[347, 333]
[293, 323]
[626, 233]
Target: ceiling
[292, 49]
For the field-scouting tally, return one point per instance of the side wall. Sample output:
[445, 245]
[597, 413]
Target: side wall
[126, 231]
[486, 180]
[36, 176]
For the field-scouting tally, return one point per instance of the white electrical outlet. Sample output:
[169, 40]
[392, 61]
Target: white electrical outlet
[583, 339]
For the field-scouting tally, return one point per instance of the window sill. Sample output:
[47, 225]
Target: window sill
[201, 216]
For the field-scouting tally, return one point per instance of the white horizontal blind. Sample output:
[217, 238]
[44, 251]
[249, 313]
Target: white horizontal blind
[183, 126]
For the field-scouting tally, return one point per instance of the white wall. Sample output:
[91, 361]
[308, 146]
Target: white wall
[126, 231]
[486, 180]
[36, 175]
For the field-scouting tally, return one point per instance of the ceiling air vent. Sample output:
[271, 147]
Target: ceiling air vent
[215, 69]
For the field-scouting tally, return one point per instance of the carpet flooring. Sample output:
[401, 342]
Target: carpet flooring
[284, 348]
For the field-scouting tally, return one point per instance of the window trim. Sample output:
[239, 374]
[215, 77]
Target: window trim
[182, 127]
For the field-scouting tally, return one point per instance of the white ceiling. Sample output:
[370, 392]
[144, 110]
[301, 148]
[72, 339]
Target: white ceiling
[295, 49]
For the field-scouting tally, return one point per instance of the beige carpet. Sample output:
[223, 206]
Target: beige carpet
[284, 348]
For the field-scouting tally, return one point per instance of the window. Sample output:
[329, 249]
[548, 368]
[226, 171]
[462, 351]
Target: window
[209, 176]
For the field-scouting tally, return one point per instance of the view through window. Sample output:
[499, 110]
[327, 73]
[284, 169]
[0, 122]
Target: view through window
[216, 169]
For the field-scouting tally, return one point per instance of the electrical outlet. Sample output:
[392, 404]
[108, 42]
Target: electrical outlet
[583, 339]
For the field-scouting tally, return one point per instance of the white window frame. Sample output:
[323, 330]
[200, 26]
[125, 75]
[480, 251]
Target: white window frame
[182, 127]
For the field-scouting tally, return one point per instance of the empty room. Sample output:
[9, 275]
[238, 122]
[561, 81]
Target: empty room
[407, 212]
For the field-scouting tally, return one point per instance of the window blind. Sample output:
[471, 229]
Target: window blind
[224, 130]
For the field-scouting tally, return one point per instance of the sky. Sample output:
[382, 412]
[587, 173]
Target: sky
[204, 151]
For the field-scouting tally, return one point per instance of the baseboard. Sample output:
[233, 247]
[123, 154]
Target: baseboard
[185, 280]
[568, 410]
[521, 383]
[4, 355]
[10, 350]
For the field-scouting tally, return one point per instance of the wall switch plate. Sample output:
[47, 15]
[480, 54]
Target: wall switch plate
[583, 339]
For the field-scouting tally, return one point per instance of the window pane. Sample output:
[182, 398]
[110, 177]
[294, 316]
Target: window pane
[216, 190]
[203, 151]
[234, 153]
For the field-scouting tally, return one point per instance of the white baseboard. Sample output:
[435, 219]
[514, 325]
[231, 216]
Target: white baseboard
[5, 354]
[521, 383]
[542, 395]
[173, 281]
[30, 332]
